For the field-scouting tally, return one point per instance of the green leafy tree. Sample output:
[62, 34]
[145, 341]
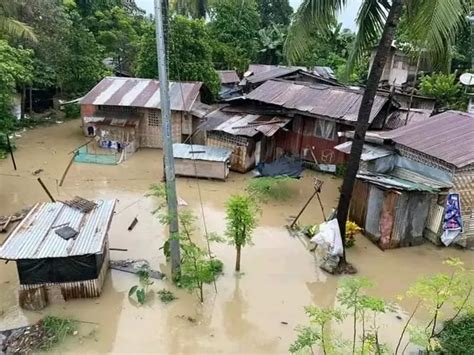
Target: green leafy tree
[446, 89]
[16, 66]
[190, 54]
[317, 334]
[81, 65]
[271, 40]
[274, 12]
[191, 8]
[241, 217]
[226, 56]
[236, 23]
[118, 32]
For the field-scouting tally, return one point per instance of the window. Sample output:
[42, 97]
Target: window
[154, 118]
[325, 129]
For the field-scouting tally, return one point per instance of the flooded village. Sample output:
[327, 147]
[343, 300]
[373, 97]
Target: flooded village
[260, 261]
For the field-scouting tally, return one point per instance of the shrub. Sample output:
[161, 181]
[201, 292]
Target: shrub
[457, 337]
[72, 110]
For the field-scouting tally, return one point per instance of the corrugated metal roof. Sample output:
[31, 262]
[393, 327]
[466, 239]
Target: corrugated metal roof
[200, 109]
[369, 151]
[185, 151]
[228, 76]
[398, 118]
[393, 182]
[135, 92]
[35, 237]
[236, 123]
[274, 73]
[322, 100]
[415, 177]
[448, 136]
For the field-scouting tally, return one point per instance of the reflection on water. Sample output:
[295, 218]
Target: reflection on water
[279, 276]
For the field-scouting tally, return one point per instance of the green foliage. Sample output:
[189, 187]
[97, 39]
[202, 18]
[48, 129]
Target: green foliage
[72, 110]
[81, 66]
[57, 330]
[236, 23]
[15, 69]
[316, 334]
[118, 33]
[190, 54]
[241, 217]
[274, 12]
[457, 336]
[225, 56]
[267, 188]
[271, 41]
[446, 89]
[166, 296]
[140, 291]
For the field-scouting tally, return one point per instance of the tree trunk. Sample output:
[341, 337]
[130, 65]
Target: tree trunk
[363, 117]
[23, 103]
[237, 259]
[202, 8]
[31, 101]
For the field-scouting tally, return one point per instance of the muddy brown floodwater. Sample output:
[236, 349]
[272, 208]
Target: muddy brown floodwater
[279, 276]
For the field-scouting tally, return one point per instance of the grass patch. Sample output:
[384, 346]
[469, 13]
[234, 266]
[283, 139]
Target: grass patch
[166, 296]
[270, 188]
[57, 329]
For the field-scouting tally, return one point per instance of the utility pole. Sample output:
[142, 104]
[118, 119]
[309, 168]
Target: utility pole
[167, 142]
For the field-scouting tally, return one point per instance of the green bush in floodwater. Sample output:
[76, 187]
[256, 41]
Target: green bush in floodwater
[270, 188]
[457, 337]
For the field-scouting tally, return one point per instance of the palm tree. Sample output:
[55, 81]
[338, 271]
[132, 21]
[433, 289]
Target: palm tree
[9, 25]
[434, 23]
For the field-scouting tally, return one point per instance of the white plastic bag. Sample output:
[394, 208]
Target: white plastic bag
[329, 235]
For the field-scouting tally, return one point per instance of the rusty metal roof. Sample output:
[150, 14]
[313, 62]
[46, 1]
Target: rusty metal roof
[135, 92]
[398, 118]
[243, 124]
[274, 73]
[448, 136]
[369, 151]
[321, 100]
[228, 76]
[35, 236]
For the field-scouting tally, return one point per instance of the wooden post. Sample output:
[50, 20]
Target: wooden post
[46, 190]
[67, 168]
[11, 151]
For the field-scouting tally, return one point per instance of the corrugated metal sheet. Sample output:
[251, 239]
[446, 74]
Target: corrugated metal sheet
[369, 151]
[448, 136]
[236, 123]
[322, 100]
[228, 76]
[185, 151]
[415, 177]
[393, 182]
[200, 109]
[398, 118]
[35, 237]
[134, 92]
[274, 73]
[324, 72]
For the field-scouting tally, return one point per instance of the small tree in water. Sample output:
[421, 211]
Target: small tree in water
[241, 216]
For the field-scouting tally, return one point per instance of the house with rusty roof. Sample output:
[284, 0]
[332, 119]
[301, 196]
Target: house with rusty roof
[318, 112]
[417, 182]
[124, 113]
[250, 137]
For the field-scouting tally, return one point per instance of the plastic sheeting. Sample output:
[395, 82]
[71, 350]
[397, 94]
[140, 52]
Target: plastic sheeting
[283, 166]
[330, 236]
[56, 270]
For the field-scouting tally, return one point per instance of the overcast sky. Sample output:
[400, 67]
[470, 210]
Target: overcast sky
[347, 17]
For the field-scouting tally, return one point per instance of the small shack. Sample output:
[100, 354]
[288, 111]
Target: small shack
[61, 251]
[393, 208]
[250, 137]
[201, 161]
[124, 114]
